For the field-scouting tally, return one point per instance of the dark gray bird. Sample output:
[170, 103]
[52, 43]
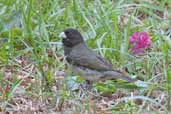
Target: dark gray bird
[86, 63]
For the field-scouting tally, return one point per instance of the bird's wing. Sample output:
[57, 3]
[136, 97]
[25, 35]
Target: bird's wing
[89, 59]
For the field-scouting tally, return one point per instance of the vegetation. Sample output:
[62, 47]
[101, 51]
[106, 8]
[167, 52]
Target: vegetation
[32, 64]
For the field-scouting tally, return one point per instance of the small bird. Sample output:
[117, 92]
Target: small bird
[85, 62]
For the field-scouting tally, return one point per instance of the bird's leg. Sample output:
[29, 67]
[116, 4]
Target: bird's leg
[87, 85]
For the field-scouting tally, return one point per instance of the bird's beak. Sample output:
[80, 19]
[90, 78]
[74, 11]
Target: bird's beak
[62, 35]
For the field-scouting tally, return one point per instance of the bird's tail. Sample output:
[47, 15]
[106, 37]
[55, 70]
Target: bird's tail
[118, 75]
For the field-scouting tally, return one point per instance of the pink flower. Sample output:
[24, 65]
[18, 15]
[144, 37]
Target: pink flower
[139, 41]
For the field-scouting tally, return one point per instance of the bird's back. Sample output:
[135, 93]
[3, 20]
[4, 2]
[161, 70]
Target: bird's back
[81, 55]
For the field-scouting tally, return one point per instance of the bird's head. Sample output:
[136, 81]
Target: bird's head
[71, 37]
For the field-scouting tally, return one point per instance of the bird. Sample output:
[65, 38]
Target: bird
[83, 61]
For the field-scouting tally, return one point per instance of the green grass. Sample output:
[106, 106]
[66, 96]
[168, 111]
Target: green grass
[30, 47]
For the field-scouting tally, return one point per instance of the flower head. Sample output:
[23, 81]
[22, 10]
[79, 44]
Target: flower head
[139, 41]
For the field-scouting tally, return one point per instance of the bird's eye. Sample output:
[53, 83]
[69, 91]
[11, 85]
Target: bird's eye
[67, 32]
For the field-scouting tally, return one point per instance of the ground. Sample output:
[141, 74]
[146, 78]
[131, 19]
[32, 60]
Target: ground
[33, 71]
